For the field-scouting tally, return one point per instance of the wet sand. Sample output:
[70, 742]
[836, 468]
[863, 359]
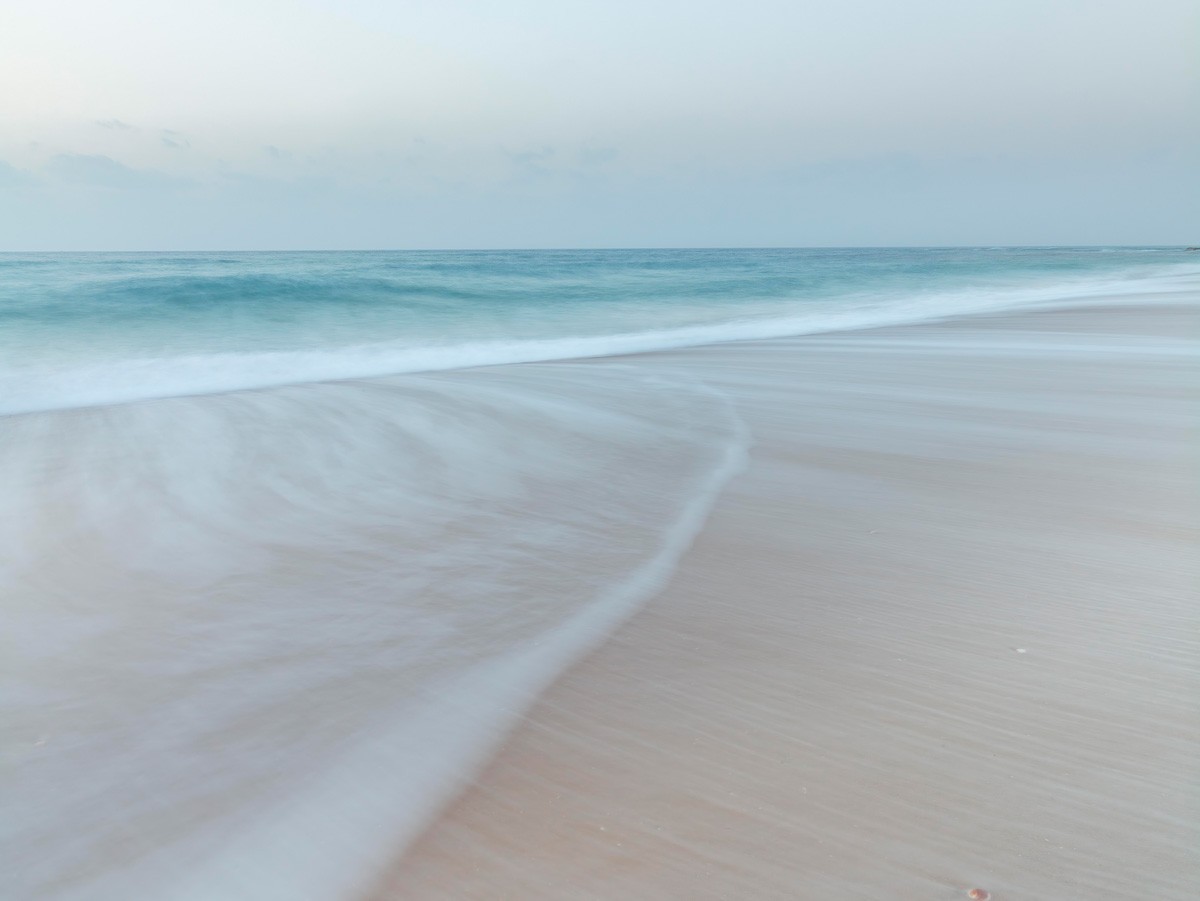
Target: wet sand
[941, 634]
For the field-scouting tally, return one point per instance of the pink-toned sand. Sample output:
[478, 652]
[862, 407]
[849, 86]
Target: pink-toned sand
[941, 635]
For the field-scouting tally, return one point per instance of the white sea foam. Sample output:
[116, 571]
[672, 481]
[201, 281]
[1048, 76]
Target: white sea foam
[382, 794]
[266, 623]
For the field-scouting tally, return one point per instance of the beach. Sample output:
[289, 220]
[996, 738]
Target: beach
[939, 635]
[818, 574]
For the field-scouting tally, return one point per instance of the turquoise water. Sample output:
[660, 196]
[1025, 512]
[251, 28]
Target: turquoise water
[81, 329]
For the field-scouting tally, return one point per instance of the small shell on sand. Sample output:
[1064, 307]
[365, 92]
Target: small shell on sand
[978, 894]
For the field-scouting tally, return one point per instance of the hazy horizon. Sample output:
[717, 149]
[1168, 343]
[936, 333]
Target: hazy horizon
[362, 125]
[605, 248]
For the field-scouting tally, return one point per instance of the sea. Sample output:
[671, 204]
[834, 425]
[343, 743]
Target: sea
[290, 541]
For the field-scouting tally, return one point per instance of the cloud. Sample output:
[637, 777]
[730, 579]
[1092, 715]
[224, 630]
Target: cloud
[595, 156]
[115, 124]
[104, 172]
[12, 177]
[174, 139]
[276, 154]
[532, 163]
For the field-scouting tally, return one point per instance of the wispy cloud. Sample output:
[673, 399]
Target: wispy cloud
[114, 124]
[596, 156]
[532, 164]
[104, 172]
[174, 139]
[12, 177]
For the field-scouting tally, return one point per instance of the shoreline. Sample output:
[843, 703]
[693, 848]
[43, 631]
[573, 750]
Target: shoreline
[935, 637]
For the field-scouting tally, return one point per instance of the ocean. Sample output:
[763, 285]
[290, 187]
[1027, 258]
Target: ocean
[289, 541]
[87, 329]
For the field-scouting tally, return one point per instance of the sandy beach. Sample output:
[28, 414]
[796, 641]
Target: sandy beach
[941, 634]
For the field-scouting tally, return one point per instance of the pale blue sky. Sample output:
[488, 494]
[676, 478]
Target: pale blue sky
[144, 124]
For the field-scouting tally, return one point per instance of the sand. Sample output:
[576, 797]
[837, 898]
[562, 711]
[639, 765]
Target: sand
[941, 634]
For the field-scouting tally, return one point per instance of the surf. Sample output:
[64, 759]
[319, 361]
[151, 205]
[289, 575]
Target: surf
[113, 332]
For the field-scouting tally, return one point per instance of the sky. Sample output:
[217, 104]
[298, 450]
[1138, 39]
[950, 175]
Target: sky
[340, 124]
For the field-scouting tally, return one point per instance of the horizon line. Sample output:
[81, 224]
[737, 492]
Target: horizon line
[617, 248]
